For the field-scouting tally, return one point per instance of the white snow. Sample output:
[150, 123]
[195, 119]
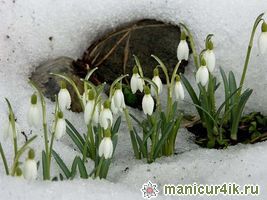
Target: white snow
[24, 42]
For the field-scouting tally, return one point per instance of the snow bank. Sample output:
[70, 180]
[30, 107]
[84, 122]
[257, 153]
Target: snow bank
[34, 31]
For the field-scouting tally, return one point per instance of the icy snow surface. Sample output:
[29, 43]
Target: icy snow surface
[24, 42]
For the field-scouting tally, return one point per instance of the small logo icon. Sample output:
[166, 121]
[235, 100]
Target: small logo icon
[149, 190]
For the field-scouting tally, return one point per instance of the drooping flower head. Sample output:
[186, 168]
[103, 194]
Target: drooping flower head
[147, 102]
[183, 49]
[106, 118]
[202, 75]
[118, 98]
[34, 113]
[178, 89]
[263, 38]
[209, 56]
[106, 146]
[89, 107]
[136, 82]
[156, 79]
[30, 166]
[64, 99]
[60, 128]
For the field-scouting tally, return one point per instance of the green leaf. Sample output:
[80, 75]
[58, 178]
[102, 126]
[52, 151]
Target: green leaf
[78, 162]
[61, 164]
[163, 139]
[72, 128]
[141, 144]
[116, 126]
[192, 93]
[75, 138]
[238, 112]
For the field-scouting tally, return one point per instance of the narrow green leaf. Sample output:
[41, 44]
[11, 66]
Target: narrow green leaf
[116, 126]
[61, 164]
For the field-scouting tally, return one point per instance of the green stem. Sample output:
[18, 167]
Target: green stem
[256, 23]
[19, 153]
[4, 159]
[99, 167]
[192, 45]
[46, 142]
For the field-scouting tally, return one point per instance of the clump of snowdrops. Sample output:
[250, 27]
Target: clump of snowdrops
[160, 126]
[221, 123]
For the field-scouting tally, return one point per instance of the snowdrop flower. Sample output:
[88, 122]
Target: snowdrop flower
[60, 128]
[202, 75]
[117, 100]
[114, 109]
[106, 148]
[147, 102]
[136, 81]
[106, 118]
[183, 49]
[64, 99]
[209, 56]
[263, 38]
[119, 97]
[34, 113]
[178, 89]
[156, 79]
[89, 107]
[30, 166]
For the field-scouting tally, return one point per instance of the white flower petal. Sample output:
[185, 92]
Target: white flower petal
[64, 99]
[88, 111]
[60, 128]
[148, 104]
[178, 91]
[30, 169]
[182, 50]
[209, 57]
[134, 83]
[158, 82]
[106, 148]
[202, 75]
[114, 109]
[262, 42]
[34, 116]
[106, 118]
